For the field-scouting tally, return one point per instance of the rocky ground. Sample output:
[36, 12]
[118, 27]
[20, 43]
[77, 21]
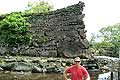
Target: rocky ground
[41, 64]
[49, 64]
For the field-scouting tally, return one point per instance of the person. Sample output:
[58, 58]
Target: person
[77, 71]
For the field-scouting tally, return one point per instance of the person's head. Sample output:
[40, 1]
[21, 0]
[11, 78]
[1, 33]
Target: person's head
[77, 61]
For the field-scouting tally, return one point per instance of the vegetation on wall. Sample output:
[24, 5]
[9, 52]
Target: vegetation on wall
[14, 30]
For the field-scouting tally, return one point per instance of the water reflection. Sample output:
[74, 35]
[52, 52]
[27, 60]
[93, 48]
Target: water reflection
[50, 76]
[30, 76]
[104, 76]
[107, 76]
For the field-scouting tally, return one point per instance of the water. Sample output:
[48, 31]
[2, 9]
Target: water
[107, 76]
[30, 76]
[50, 76]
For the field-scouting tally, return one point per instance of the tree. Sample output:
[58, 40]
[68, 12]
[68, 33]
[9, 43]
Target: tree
[111, 32]
[39, 7]
[109, 36]
[14, 30]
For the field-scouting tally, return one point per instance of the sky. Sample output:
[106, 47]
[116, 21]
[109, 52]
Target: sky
[98, 13]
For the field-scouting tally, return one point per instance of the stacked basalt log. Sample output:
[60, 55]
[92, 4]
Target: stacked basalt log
[59, 33]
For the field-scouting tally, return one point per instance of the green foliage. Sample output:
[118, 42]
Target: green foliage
[14, 30]
[109, 36]
[111, 32]
[38, 7]
[98, 45]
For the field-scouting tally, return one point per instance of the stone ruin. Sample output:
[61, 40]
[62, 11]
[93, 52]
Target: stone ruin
[59, 33]
[63, 32]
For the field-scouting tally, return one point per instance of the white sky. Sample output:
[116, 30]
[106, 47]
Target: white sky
[98, 13]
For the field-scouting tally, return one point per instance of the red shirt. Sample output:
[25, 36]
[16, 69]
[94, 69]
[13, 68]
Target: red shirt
[77, 73]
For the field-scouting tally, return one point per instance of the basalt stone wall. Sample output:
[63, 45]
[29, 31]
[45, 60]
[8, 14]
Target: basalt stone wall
[59, 33]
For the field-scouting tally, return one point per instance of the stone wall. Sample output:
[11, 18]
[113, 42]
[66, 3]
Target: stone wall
[59, 33]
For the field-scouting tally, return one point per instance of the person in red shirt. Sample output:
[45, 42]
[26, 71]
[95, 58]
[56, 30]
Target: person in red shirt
[76, 71]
